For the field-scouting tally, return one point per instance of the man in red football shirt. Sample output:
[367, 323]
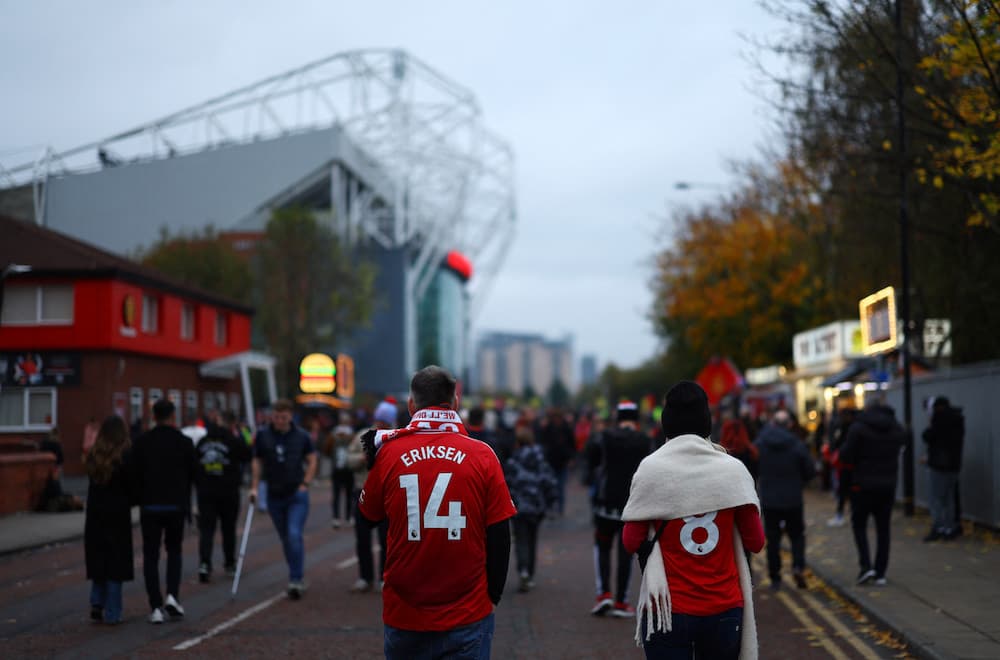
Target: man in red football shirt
[449, 540]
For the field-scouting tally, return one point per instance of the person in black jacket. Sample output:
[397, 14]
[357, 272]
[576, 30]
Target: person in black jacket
[555, 435]
[784, 466]
[284, 457]
[221, 456]
[164, 472]
[944, 438]
[613, 458]
[107, 529]
[871, 451]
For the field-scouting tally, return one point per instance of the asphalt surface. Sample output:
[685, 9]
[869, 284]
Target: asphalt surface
[939, 601]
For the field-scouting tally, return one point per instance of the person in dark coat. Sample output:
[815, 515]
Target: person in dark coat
[871, 452]
[107, 529]
[165, 465]
[555, 436]
[944, 438]
[784, 467]
[613, 458]
[221, 456]
[532, 486]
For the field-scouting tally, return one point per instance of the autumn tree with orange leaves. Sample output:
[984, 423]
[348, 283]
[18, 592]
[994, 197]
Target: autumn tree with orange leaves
[739, 280]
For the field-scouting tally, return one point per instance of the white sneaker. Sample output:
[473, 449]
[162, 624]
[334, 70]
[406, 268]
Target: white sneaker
[156, 616]
[361, 586]
[295, 590]
[172, 607]
[836, 521]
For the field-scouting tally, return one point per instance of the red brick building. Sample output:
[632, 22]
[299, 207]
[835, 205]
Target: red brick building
[85, 333]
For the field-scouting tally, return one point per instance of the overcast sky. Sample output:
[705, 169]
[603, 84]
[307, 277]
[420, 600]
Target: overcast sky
[606, 104]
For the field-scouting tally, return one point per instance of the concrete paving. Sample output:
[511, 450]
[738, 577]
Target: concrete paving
[940, 598]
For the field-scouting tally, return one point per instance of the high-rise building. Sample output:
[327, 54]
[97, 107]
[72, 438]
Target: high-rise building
[588, 369]
[517, 363]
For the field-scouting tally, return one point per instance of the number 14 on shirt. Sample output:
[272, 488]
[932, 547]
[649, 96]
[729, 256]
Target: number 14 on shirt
[454, 522]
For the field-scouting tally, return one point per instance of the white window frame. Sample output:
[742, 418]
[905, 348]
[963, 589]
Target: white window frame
[188, 323]
[134, 404]
[25, 395]
[150, 314]
[38, 318]
[221, 328]
[174, 397]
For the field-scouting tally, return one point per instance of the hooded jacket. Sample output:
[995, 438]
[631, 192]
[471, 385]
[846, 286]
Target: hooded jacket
[783, 468]
[872, 449]
[614, 457]
[944, 439]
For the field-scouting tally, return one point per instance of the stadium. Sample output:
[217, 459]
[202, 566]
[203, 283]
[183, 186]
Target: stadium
[389, 153]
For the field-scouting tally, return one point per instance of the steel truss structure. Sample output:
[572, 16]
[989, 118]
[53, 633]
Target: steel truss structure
[439, 179]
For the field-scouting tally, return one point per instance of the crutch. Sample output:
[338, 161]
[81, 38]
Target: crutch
[243, 546]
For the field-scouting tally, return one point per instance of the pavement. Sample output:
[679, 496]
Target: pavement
[940, 598]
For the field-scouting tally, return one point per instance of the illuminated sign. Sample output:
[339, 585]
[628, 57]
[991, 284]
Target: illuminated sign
[316, 373]
[319, 374]
[128, 316]
[878, 321]
[345, 376]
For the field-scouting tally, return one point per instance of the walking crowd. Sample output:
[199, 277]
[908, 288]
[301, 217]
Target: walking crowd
[448, 492]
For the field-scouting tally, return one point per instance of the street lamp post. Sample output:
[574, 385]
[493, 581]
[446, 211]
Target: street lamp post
[904, 267]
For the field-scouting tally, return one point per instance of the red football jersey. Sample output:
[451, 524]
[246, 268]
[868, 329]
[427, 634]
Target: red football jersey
[440, 491]
[698, 557]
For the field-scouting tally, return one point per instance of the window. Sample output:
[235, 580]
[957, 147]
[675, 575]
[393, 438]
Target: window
[234, 403]
[150, 314]
[48, 304]
[27, 408]
[134, 403]
[190, 404]
[207, 402]
[155, 394]
[220, 328]
[174, 396]
[187, 322]
[220, 401]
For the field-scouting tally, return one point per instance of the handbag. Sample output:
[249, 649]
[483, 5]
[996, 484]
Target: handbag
[646, 547]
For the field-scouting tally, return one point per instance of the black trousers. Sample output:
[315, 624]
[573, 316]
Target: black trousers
[342, 488]
[223, 508]
[526, 541]
[166, 527]
[795, 528]
[606, 532]
[363, 545]
[878, 505]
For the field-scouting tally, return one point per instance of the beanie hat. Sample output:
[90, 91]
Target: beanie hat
[685, 410]
[627, 411]
[385, 412]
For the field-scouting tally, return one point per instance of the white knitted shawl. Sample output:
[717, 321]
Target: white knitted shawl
[688, 476]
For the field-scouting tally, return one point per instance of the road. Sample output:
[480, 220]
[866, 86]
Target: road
[44, 608]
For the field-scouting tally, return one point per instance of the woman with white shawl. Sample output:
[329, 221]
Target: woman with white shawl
[696, 598]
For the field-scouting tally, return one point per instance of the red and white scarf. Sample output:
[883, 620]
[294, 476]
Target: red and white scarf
[433, 420]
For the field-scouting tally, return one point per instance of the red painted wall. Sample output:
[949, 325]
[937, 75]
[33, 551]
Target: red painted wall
[99, 323]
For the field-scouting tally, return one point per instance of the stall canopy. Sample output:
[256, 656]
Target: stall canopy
[851, 372]
[240, 364]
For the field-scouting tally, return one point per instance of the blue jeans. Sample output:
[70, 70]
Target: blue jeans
[289, 517]
[107, 596]
[471, 642]
[717, 636]
[942, 500]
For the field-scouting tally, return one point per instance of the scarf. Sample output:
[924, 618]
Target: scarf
[434, 419]
[688, 476]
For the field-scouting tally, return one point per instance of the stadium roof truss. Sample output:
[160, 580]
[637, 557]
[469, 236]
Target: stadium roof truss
[448, 179]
